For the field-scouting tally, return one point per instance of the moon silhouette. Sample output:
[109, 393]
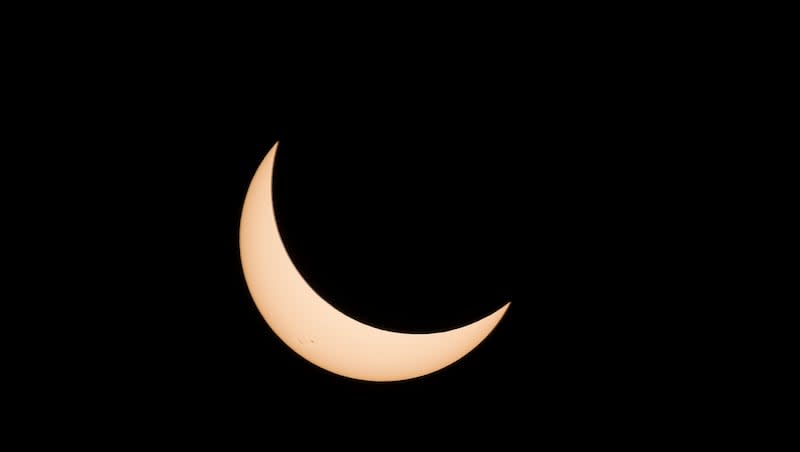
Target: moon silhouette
[316, 330]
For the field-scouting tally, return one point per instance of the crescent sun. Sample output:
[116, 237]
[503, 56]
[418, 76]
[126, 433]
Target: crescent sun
[316, 330]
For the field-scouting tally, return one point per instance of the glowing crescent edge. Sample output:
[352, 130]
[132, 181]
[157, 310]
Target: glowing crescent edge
[316, 330]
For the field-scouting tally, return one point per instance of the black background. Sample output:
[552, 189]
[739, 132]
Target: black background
[414, 193]
[412, 212]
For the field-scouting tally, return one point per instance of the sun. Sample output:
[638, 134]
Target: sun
[316, 330]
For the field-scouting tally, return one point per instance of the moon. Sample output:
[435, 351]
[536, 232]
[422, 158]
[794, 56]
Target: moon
[319, 332]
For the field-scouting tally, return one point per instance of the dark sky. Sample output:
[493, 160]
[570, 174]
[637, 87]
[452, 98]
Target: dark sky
[406, 212]
[416, 202]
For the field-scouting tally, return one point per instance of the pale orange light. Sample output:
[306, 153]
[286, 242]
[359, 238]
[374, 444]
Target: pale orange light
[317, 331]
